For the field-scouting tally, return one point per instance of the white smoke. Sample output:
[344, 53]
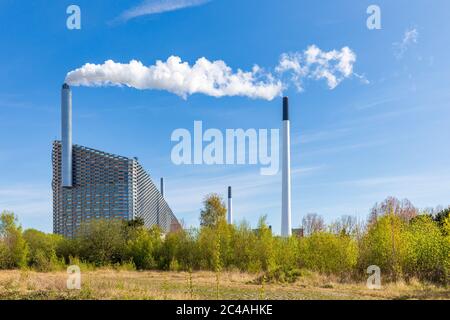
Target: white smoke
[333, 66]
[216, 78]
[210, 78]
[410, 37]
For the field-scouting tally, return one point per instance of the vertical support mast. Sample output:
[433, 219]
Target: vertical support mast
[286, 229]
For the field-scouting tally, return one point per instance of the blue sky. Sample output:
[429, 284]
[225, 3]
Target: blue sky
[385, 134]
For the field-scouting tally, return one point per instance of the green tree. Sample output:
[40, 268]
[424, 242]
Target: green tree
[265, 246]
[102, 242]
[384, 245]
[13, 248]
[427, 250]
[42, 249]
[328, 253]
[213, 211]
[144, 246]
[441, 216]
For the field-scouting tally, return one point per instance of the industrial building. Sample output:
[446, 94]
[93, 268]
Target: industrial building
[90, 184]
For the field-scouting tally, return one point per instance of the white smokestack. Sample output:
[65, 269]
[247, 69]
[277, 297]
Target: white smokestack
[230, 207]
[66, 135]
[286, 229]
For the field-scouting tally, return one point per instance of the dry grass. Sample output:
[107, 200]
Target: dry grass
[111, 284]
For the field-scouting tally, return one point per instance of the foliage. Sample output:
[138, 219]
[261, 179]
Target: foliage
[428, 251]
[42, 250]
[142, 248]
[441, 216]
[402, 244]
[13, 248]
[328, 253]
[384, 245]
[280, 275]
[214, 211]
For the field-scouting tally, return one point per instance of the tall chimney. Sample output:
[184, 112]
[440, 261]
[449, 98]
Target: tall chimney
[286, 230]
[230, 207]
[66, 135]
[162, 187]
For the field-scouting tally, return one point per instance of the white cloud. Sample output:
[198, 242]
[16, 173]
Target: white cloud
[410, 37]
[333, 66]
[210, 78]
[216, 78]
[150, 7]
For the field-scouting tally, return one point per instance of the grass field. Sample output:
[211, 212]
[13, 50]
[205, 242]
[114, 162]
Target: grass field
[112, 284]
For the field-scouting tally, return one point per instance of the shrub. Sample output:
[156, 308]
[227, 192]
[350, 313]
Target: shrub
[13, 248]
[427, 250]
[328, 253]
[143, 246]
[101, 242]
[42, 250]
[384, 245]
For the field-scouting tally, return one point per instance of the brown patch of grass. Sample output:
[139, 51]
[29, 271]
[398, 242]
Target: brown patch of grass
[116, 284]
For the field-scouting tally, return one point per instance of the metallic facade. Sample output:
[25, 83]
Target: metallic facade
[105, 186]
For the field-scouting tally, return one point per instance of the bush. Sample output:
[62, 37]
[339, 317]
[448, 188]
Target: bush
[143, 247]
[427, 250]
[42, 250]
[384, 245]
[101, 242]
[280, 275]
[328, 253]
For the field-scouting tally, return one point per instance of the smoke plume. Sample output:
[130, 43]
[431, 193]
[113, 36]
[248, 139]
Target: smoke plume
[216, 78]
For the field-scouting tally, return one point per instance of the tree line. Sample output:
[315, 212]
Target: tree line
[404, 242]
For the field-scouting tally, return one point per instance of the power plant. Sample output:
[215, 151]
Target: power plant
[90, 184]
[286, 228]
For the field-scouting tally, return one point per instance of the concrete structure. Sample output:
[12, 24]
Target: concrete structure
[90, 184]
[286, 230]
[230, 207]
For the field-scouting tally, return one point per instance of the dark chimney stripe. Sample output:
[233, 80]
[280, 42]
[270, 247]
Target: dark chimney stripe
[229, 192]
[285, 108]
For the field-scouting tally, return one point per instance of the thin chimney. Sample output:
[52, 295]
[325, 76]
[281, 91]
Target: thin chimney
[66, 135]
[162, 187]
[286, 229]
[230, 207]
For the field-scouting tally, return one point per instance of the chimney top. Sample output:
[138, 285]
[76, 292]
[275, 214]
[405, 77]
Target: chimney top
[229, 192]
[65, 86]
[285, 108]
